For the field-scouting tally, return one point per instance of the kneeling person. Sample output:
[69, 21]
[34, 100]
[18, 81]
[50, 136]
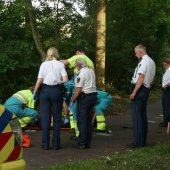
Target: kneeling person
[22, 105]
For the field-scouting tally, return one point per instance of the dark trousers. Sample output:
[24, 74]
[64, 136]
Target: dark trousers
[85, 107]
[166, 106]
[139, 116]
[51, 103]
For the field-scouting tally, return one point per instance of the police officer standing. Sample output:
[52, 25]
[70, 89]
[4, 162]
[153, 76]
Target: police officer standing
[142, 79]
[51, 75]
[86, 97]
[166, 93]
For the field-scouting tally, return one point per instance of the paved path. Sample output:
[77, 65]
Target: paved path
[120, 125]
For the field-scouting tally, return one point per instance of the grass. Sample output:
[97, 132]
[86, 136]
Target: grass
[149, 158]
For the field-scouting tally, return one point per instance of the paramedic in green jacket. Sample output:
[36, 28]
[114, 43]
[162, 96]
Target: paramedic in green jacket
[71, 62]
[22, 105]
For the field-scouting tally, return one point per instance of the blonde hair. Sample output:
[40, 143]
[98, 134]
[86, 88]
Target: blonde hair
[52, 53]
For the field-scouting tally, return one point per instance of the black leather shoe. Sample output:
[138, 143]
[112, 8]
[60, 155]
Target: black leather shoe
[163, 124]
[79, 146]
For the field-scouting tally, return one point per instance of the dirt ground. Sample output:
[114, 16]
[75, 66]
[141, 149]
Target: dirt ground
[120, 124]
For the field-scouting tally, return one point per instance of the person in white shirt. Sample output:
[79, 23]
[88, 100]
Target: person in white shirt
[141, 82]
[166, 93]
[51, 76]
[86, 97]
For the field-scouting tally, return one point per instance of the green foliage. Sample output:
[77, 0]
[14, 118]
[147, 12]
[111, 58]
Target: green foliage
[62, 25]
[18, 56]
[130, 23]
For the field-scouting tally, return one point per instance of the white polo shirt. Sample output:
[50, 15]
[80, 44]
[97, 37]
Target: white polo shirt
[52, 72]
[166, 77]
[86, 79]
[147, 68]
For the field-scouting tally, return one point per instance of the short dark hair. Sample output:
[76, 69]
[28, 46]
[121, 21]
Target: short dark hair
[80, 49]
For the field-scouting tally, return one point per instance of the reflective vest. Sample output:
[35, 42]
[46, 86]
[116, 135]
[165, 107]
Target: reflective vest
[26, 97]
[72, 62]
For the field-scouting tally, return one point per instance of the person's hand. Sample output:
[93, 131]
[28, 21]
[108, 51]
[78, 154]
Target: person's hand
[132, 96]
[71, 104]
[35, 96]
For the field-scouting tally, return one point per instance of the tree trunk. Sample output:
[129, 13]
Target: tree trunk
[100, 44]
[35, 32]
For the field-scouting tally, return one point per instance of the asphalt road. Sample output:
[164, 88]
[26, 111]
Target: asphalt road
[120, 124]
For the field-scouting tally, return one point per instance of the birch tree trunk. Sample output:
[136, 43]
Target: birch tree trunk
[100, 44]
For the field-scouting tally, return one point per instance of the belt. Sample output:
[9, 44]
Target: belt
[53, 86]
[90, 94]
[133, 86]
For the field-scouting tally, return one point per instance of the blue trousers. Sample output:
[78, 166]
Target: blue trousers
[139, 117]
[85, 106]
[166, 106]
[51, 103]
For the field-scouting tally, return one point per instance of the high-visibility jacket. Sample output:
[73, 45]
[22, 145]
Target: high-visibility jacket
[72, 61]
[22, 105]
[26, 97]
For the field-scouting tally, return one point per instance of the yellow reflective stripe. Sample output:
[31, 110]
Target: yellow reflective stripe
[71, 121]
[2, 108]
[25, 121]
[14, 165]
[20, 97]
[100, 118]
[8, 147]
[101, 126]
[7, 129]
[76, 128]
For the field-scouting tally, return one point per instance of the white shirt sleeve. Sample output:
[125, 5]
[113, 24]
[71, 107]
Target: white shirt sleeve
[79, 82]
[166, 78]
[40, 74]
[142, 69]
[63, 71]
